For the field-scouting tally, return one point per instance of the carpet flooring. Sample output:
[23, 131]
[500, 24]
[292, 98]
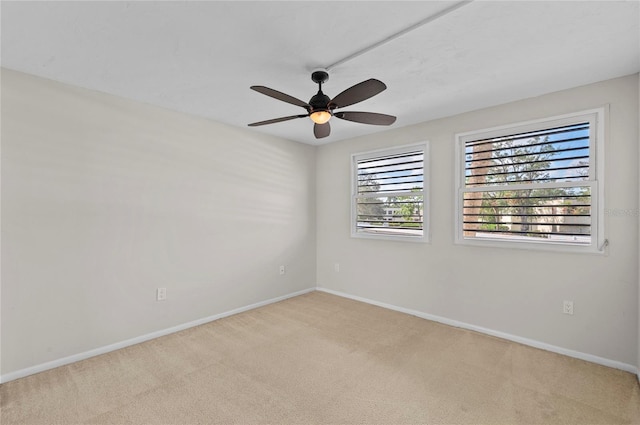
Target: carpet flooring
[322, 359]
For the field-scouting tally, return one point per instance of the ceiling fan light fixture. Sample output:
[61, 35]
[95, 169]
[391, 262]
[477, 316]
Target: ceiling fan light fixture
[320, 117]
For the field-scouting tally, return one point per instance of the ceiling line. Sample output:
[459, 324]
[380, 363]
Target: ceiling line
[400, 33]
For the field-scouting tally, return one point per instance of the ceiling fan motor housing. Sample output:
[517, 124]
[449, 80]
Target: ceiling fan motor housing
[319, 102]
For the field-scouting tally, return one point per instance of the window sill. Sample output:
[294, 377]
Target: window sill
[390, 237]
[535, 246]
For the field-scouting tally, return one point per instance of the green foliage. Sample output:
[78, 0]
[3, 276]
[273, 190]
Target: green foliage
[371, 207]
[410, 206]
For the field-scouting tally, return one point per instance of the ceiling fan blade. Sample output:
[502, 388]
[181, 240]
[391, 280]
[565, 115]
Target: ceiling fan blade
[358, 93]
[280, 96]
[366, 117]
[275, 120]
[321, 130]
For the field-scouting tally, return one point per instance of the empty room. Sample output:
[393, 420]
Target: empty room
[260, 212]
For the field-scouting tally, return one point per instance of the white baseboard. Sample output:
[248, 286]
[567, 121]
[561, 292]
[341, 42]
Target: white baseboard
[142, 338]
[526, 341]
[112, 347]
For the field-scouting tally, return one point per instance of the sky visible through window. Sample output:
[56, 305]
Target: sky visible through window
[394, 174]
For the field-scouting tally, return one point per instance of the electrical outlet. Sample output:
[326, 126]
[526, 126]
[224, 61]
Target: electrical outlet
[336, 267]
[282, 270]
[161, 294]
[567, 307]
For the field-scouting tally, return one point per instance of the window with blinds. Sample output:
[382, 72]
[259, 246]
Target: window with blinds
[389, 193]
[530, 183]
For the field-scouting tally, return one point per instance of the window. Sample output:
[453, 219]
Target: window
[388, 194]
[533, 184]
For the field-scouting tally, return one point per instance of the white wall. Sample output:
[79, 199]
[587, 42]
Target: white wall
[105, 199]
[518, 292]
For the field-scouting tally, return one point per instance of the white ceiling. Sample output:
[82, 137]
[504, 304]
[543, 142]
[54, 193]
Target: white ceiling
[201, 57]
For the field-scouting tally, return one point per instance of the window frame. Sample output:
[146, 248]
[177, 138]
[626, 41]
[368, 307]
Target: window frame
[426, 214]
[597, 118]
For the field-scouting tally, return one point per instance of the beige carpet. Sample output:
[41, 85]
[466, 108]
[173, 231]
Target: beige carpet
[322, 359]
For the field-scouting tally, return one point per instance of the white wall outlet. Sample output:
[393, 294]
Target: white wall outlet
[161, 294]
[567, 307]
[282, 270]
[336, 267]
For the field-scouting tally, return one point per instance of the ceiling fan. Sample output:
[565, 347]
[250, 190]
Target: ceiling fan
[321, 108]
